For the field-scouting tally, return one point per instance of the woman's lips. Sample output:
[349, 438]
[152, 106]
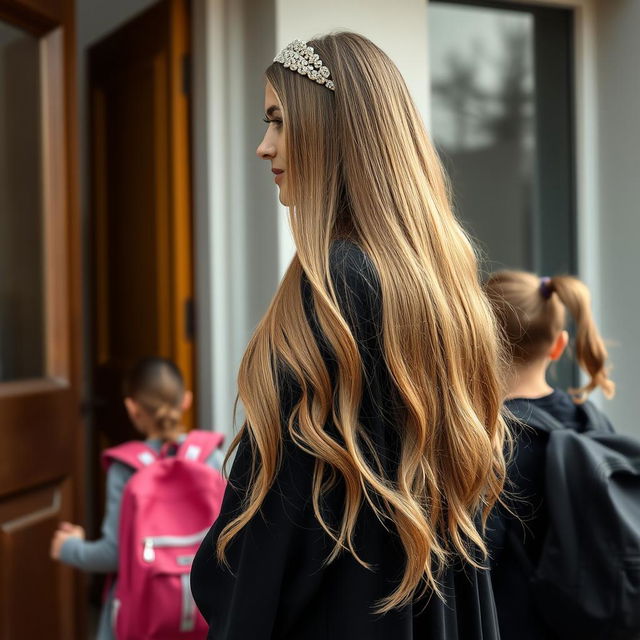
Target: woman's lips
[278, 174]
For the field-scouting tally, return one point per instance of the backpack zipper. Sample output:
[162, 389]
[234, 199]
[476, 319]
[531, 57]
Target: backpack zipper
[155, 542]
[115, 607]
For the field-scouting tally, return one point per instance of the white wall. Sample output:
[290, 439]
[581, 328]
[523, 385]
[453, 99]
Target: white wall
[617, 23]
[399, 28]
[96, 18]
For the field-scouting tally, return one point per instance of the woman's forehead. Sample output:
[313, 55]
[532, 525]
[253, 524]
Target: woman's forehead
[271, 100]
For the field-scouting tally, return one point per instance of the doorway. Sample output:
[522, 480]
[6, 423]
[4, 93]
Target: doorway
[141, 215]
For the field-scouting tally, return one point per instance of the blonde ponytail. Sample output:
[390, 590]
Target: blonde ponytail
[531, 312]
[591, 353]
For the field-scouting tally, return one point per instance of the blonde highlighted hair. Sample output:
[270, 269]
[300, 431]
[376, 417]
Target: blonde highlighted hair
[532, 313]
[361, 167]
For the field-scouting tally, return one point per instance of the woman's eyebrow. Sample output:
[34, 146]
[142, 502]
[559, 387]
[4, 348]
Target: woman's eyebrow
[271, 110]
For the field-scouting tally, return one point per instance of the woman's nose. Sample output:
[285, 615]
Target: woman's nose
[265, 149]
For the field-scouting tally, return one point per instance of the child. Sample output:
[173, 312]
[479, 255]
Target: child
[156, 400]
[532, 312]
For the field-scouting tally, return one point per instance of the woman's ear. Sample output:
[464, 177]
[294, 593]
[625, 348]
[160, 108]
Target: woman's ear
[559, 346]
[187, 401]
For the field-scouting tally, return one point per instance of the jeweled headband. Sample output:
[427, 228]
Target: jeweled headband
[299, 57]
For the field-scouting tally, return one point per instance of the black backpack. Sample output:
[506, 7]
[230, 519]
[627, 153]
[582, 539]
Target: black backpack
[587, 580]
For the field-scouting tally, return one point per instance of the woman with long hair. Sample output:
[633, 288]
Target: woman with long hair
[372, 449]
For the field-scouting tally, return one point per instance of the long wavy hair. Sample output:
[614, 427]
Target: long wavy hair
[360, 166]
[532, 315]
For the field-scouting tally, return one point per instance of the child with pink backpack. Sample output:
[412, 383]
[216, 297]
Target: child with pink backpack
[163, 494]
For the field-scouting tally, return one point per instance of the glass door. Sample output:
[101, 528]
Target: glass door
[42, 444]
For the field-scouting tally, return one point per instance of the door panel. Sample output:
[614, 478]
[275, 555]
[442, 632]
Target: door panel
[40, 337]
[37, 421]
[28, 575]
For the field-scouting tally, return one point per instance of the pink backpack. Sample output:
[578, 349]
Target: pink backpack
[167, 508]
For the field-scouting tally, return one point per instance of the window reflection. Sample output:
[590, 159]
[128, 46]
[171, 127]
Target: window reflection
[21, 239]
[483, 122]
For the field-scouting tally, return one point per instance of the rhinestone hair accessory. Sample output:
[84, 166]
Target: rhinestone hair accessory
[299, 57]
[546, 288]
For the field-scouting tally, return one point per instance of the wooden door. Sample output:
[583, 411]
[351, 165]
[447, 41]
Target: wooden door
[40, 320]
[142, 228]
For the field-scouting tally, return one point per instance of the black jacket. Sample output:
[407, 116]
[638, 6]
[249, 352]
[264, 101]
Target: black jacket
[516, 539]
[279, 585]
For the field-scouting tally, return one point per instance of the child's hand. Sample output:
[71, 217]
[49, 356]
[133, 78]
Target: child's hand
[74, 530]
[66, 531]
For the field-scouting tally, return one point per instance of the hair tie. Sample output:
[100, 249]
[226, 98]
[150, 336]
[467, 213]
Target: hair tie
[546, 288]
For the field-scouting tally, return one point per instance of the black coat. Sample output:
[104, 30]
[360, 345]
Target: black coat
[279, 585]
[516, 537]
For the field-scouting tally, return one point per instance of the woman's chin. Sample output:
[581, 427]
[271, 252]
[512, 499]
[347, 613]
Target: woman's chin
[283, 199]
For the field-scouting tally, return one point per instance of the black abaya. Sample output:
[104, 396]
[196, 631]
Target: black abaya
[279, 585]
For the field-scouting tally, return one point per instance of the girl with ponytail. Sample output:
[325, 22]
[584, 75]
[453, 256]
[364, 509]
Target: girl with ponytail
[372, 449]
[533, 314]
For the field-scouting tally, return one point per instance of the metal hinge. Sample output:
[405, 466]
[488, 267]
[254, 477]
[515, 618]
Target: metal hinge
[190, 319]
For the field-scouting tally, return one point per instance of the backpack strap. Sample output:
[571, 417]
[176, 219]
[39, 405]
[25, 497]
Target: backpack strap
[533, 416]
[199, 445]
[134, 454]
[596, 420]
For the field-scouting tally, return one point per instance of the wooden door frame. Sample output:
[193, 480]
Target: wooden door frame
[53, 21]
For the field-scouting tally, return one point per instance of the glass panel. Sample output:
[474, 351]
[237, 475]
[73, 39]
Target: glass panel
[482, 83]
[22, 348]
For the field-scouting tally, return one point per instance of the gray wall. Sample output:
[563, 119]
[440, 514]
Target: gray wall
[617, 23]
[235, 202]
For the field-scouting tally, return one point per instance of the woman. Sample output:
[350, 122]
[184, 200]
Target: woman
[372, 446]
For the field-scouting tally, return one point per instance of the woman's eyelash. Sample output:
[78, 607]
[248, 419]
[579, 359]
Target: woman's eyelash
[275, 121]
